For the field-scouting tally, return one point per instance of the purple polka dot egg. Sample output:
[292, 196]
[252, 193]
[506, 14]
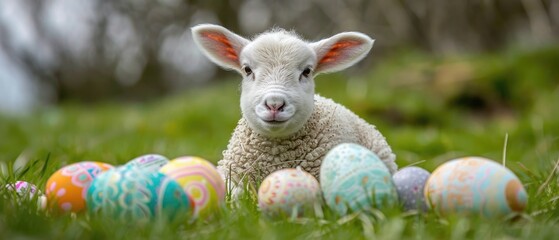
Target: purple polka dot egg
[410, 182]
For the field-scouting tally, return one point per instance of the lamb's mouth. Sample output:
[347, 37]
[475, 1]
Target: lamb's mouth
[275, 122]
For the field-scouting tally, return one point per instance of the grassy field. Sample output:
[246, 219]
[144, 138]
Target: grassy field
[431, 110]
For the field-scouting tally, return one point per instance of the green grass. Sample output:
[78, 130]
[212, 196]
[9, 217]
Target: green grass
[431, 109]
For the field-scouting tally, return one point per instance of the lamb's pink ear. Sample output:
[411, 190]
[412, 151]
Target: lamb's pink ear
[220, 45]
[341, 51]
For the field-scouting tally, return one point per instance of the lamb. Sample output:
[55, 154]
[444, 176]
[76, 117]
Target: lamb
[284, 124]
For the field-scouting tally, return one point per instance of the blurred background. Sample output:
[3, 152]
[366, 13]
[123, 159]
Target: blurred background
[86, 51]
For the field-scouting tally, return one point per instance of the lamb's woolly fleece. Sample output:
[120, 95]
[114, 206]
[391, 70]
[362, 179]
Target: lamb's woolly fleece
[251, 157]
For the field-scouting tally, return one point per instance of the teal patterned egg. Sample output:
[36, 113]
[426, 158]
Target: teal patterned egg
[475, 186]
[353, 176]
[132, 193]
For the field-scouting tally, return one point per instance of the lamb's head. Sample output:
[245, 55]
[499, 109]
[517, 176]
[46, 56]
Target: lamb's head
[278, 67]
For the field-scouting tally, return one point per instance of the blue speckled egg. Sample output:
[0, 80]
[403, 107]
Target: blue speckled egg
[352, 175]
[132, 193]
[410, 182]
[150, 162]
[475, 186]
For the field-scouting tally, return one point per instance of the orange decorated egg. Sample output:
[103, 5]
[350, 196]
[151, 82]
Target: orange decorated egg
[66, 189]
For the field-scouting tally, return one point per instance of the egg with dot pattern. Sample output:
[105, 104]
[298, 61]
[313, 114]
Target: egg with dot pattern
[354, 178]
[130, 193]
[200, 180]
[475, 185]
[410, 182]
[66, 189]
[288, 191]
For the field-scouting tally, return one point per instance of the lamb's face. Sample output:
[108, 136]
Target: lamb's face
[278, 89]
[278, 67]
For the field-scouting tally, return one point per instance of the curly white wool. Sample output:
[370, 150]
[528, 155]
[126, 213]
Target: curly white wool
[250, 157]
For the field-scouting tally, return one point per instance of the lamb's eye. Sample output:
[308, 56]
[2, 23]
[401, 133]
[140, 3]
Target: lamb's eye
[247, 70]
[306, 72]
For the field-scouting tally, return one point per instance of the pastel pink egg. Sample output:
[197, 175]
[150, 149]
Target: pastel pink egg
[288, 191]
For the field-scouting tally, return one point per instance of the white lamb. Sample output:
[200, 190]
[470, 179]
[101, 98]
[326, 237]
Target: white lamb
[284, 124]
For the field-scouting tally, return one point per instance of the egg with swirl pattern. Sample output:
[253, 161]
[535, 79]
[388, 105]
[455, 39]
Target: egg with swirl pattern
[353, 178]
[475, 186]
[201, 181]
[66, 189]
[130, 193]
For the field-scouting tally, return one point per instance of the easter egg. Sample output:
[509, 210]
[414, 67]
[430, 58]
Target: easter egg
[130, 193]
[150, 162]
[475, 185]
[66, 189]
[353, 176]
[200, 180]
[288, 191]
[410, 182]
[23, 189]
[42, 202]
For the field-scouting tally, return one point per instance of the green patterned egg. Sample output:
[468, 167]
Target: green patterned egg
[132, 193]
[353, 178]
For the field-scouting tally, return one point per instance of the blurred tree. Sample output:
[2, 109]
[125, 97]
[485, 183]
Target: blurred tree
[133, 49]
